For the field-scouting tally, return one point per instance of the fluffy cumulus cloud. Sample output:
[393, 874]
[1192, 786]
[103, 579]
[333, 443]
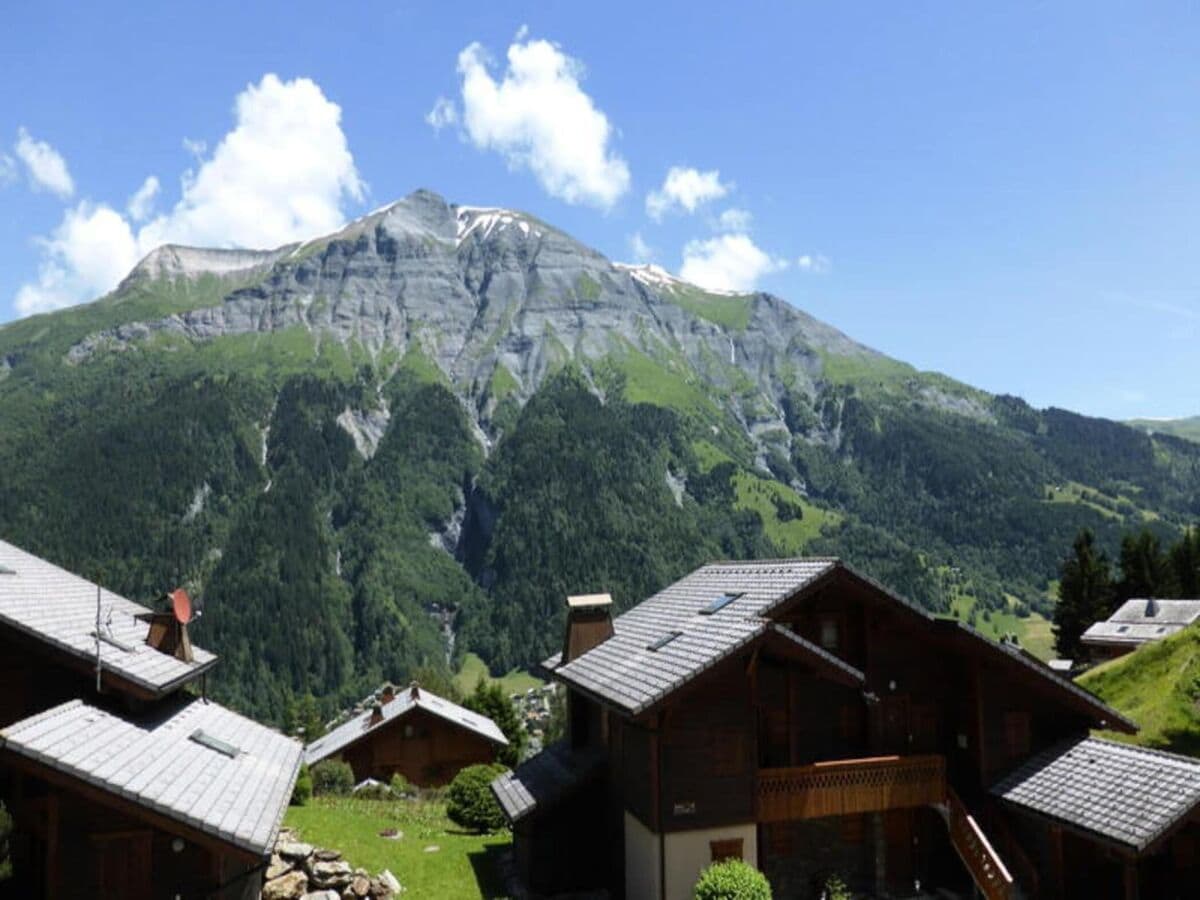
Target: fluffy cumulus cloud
[734, 220]
[283, 173]
[727, 262]
[685, 190]
[538, 117]
[8, 169]
[45, 166]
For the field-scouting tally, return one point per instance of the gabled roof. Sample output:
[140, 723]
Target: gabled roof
[57, 608]
[625, 673]
[156, 762]
[1141, 620]
[1128, 795]
[543, 780]
[360, 726]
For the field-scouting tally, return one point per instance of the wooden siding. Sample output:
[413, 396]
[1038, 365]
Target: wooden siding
[848, 787]
[425, 749]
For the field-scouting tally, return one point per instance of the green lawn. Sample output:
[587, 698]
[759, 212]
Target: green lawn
[464, 867]
[515, 682]
[1158, 686]
[765, 497]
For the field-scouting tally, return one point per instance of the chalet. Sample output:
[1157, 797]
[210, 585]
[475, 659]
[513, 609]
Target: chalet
[1138, 622]
[414, 733]
[802, 717]
[122, 782]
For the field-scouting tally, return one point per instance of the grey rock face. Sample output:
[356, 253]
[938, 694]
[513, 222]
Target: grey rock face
[490, 296]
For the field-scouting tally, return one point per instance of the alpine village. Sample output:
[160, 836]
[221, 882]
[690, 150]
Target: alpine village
[419, 550]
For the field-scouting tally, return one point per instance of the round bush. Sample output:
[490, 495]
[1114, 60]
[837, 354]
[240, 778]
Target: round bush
[304, 787]
[470, 801]
[732, 879]
[332, 776]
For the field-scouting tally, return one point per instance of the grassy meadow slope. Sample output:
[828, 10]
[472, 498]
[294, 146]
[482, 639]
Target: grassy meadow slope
[1158, 686]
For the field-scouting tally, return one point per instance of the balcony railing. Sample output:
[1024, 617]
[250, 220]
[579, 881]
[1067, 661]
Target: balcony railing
[976, 851]
[849, 786]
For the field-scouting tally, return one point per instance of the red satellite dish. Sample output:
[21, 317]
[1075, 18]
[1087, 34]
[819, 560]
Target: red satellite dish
[181, 605]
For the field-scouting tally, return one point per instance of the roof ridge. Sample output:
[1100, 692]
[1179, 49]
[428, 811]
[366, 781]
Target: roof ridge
[1148, 751]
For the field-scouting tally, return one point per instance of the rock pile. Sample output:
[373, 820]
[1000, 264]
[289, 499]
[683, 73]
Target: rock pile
[300, 871]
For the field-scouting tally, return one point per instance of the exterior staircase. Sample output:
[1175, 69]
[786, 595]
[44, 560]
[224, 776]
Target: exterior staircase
[976, 851]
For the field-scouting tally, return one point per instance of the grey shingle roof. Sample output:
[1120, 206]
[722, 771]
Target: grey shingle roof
[1141, 620]
[360, 725]
[154, 762]
[1126, 794]
[543, 780]
[59, 608]
[624, 672]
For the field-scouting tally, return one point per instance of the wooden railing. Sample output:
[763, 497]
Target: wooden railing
[848, 786]
[1024, 872]
[976, 851]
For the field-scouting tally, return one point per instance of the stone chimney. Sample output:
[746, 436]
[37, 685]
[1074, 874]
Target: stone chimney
[589, 623]
[387, 694]
[1151, 608]
[376, 715]
[414, 691]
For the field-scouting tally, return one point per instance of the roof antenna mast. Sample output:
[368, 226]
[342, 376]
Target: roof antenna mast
[97, 639]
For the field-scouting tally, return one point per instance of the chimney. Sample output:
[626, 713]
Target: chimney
[1151, 608]
[387, 694]
[376, 715]
[589, 624]
[414, 691]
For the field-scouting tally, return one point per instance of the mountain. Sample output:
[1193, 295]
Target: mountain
[1188, 428]
[372, 451]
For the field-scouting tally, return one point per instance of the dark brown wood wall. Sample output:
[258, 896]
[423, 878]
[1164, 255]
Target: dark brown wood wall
[424, 748]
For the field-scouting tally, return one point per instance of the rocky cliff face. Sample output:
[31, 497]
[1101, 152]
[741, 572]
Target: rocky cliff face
[490, 294]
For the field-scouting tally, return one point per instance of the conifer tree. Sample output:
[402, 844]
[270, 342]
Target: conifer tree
[1084, 593]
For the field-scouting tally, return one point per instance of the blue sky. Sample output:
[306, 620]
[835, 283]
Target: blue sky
[1006, 193]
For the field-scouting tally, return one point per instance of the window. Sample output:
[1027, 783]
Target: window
[727, 848]
[719, 604]
[664, 640]
[212, 743]
[828, 634]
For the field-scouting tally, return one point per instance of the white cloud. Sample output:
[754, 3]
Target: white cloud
[444, 113]
[728, 262]
[45, 165]
[539, 118]
[141, 204]
[685, 190]
[642, 251]
[88, 253]
[282, 174]
[815, 263]
[8, 169]
[734, 220]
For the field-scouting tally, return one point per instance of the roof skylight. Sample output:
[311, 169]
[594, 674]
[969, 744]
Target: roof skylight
[664, 640]
[212, 743]
[720, 603]
[5, 570]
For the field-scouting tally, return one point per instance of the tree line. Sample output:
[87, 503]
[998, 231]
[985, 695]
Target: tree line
[1090, 589]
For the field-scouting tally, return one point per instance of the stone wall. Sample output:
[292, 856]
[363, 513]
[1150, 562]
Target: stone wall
[300, 871]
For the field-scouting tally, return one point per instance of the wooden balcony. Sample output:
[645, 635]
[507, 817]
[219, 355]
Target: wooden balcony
[848, 786]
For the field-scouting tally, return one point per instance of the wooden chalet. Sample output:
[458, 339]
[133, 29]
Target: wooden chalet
[122, 783]
[802, 717]
[414, 733]
[1137, 622]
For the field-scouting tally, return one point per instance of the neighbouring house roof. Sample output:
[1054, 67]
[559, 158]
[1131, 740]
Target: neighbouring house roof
[406, 701]
[543, 780]
[1142, 620]
[624, 672]
[174, 761]
[1126, 794]
[53, 606]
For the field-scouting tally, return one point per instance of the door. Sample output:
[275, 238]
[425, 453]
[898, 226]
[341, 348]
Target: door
[121, 864]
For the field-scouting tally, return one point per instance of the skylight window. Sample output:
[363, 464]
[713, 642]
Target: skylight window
[5, 570]
[719, 604]
[212, 743]
[664, 640]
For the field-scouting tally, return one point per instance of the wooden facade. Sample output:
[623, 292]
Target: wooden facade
[884, 783]
[426, 749]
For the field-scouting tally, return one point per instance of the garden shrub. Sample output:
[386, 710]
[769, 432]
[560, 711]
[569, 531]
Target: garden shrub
[470, 801]
[303, 790]
[332, 776]
[732, 879]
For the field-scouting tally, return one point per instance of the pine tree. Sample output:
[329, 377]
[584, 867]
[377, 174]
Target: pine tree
[1144, 570]
[489, 700]
[1185, 563]
[1085, 593]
